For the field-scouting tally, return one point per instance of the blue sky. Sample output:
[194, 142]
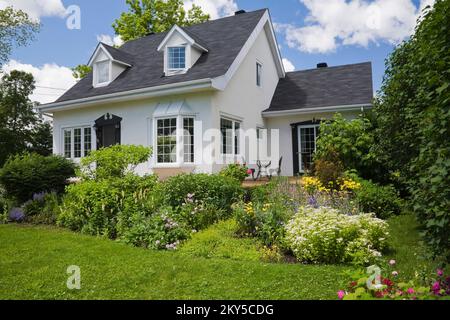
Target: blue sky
[334, 37]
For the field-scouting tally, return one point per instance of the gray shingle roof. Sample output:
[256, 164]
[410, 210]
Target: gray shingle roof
[223, 37]
[119, 55]
[324, 87]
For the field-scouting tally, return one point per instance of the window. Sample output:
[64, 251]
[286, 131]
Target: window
[167, 140]
[258, 74]
[102, 72]
[77, 142]
[308, 137]
[230, 136]
[177, 58]
[67, 143]
[188, 139]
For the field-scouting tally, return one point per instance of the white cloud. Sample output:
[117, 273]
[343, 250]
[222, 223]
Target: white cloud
[215, 8]
[288, 65]
[51, 80]
[109, 40]
[330, 24]
[37, 8]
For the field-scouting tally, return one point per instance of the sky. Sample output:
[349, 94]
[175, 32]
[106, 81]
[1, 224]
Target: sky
[308, 32]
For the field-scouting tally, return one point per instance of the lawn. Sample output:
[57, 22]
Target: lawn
[213, 265]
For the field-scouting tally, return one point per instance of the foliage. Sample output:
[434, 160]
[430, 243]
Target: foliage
[384, 201]
[22, 129]
[198, 215]
[26, 174]
[161, 230]
[218, 191]
[81, 71]
[395, 287]
[16, 29]
[263, 220]
[413, 111]
[326, 236]
[16, 215]
[105, 207]
[113, 162]
[235, 171]
[42, 209]
[147, 16]
[345, 145]
[329, 171]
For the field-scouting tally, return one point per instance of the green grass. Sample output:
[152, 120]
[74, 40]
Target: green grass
[213, 265]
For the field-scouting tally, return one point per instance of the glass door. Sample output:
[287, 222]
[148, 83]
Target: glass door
[307, 136]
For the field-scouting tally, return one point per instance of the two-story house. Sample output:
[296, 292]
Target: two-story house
[204, 94]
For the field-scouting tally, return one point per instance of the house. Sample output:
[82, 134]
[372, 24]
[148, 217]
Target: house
[206, 95]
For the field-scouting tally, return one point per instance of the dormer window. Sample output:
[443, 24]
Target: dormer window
[176, 58]
[103, 74]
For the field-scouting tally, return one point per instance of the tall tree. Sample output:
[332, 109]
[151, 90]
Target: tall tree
[413, 113]
[147, 16]
[16, 29]
[22, 129]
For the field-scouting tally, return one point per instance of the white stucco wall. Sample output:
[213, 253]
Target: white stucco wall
[283, 125]
[137, 124]
[242, 99]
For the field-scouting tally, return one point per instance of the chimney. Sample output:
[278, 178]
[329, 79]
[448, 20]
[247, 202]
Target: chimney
[322, 65]
[239, 12]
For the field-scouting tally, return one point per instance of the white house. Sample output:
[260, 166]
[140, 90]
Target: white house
[176, 90]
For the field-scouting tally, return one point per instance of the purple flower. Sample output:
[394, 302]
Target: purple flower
[16, 214]
[39, 196]
[440, 272]
[312, 201]
[436, 287]
[341, 294]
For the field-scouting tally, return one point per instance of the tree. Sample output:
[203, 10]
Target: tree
[21, 129]
[16, 29]
[413, 113]
[147, 16]
[81, 71]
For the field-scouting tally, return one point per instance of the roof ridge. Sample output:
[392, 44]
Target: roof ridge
[332, 67]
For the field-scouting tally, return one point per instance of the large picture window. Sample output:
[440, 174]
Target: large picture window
[77, 142]
[230, 130]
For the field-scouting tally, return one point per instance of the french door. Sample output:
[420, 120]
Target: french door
[307, 137]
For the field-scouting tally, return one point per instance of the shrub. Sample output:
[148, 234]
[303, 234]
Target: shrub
[199, 215]
[235, 171]
[42, 209]
[16, 215]
[26, 174]
[93, 207]
[161, 230]
[384, 201]
[113, 162]
[215, 190]
[329, 168]
[326, 236]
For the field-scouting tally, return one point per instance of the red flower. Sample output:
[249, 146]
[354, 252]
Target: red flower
[388, 282]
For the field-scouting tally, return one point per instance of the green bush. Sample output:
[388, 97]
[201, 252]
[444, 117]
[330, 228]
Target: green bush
[162, 230]
[42, 209]
[324, 235]
[113, 162]
[384, 201]
[215, 190]
[93, 207]
[235, 171]
[199, 215]
[27, 174]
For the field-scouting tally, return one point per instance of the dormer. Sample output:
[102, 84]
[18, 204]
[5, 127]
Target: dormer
[107, 64]
[181, 50]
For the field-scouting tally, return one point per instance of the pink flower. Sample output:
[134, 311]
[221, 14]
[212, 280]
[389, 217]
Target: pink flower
[249, 171]
[341, 294]
[394, 273]
[436, 287]
[410, 291]
[440, 272]
[392, 262]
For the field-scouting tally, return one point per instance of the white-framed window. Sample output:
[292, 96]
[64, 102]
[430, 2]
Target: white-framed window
[188, 140]
[77, 142]
[176, 58]
[258, 74]
[102, 72]
[168, 136]
[231, 136]
[307, 145]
